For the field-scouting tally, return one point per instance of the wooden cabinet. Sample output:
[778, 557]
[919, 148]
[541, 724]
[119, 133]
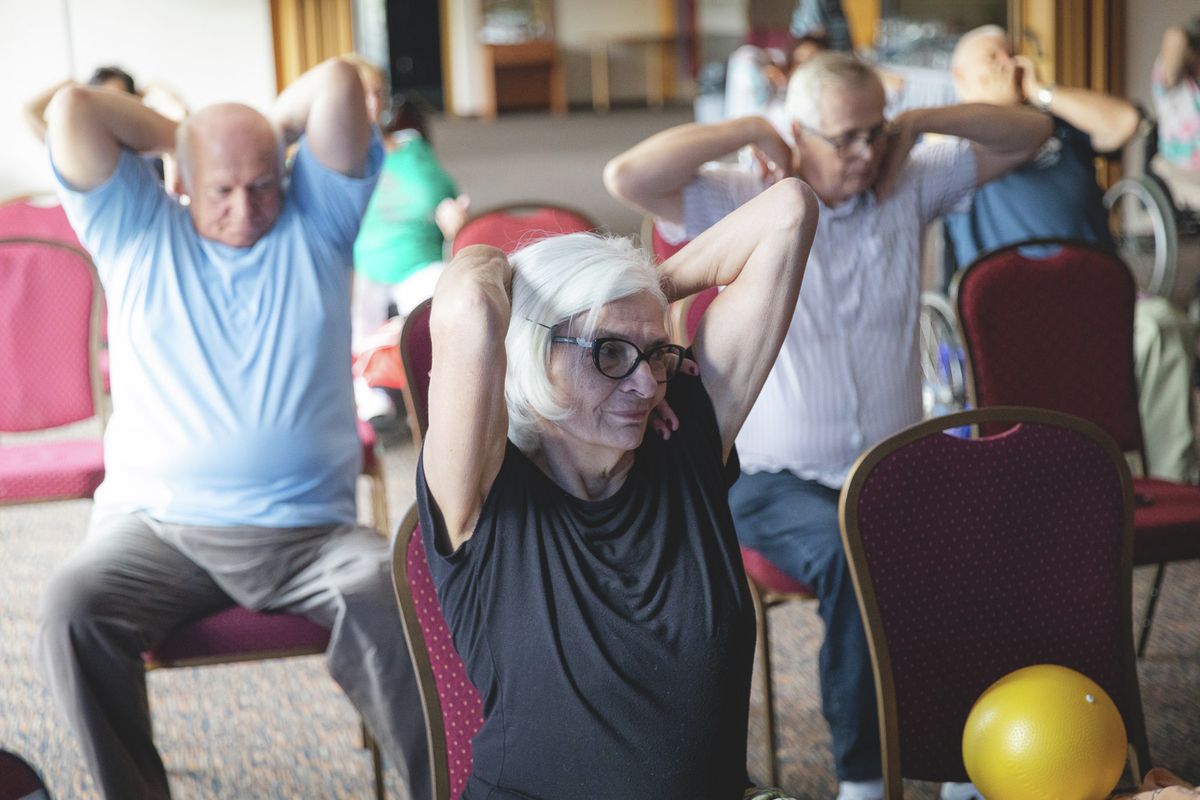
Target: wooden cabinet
[523, 75]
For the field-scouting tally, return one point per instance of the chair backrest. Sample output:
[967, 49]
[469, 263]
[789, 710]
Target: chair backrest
[515, 225]
[49, 335]
[974, 557]
[683, 316]
[40, 217]
[1053, 332]
[453, 710]
[659, 247]
[416, 353]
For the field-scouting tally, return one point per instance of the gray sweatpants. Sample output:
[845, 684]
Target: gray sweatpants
[134, 578]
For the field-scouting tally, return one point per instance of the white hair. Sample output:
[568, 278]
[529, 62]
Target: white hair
[982, 32]
[807, 84]
[554, 281]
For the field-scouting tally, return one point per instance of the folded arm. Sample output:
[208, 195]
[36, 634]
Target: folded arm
[1109, 121]
[758, 252]
[651, 175]
[87, 129]
[327, 104]
[468, 420]
[1003, 138]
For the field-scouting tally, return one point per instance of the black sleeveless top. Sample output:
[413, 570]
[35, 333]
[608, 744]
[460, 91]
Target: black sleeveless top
[612, 641]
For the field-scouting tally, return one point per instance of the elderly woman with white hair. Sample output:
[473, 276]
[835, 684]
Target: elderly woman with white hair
[590, 572]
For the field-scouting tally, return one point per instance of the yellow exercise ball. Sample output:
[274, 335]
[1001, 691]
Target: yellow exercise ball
[1044, 733]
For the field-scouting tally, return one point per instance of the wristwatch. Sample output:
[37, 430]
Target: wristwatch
[1044, 96]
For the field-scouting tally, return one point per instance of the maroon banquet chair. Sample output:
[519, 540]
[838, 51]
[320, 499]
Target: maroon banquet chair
[653, 241]
[453, 709]
[39, 217]
[235, 634]
[512, 226]
[49, 338]
[972, 558]
[43, 217]
[416, 354]
[1056, 332]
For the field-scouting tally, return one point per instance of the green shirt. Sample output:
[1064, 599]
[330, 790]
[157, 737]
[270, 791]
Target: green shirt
[398, 235]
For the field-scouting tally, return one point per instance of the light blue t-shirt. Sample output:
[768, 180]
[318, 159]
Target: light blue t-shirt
[231, 384]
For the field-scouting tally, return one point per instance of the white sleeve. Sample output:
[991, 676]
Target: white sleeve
[716, 190]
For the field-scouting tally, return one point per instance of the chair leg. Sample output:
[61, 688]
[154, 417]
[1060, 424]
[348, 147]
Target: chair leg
[763, 649]
[369, 743]
[1151, 602]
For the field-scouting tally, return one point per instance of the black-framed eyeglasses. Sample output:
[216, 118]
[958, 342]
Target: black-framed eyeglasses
[617, 358]
[845, 143]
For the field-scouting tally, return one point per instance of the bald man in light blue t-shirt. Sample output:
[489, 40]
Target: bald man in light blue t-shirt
[231, 455]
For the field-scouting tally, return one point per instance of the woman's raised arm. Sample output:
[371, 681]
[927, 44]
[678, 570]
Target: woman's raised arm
[468, 421]
[758, 252]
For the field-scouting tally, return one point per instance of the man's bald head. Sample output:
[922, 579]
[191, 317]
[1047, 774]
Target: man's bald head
[983, 67]
[231, 161]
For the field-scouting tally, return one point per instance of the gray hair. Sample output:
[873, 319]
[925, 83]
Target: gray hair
[555, 281]
[183, 152]
[807, 84]
[982, 32]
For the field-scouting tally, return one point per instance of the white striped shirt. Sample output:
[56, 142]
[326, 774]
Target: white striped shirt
[848, 374]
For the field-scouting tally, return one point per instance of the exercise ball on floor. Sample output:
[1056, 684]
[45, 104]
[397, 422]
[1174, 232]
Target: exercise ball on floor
[1044, 732]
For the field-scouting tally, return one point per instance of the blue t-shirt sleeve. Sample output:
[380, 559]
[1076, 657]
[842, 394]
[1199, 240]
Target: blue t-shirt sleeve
[330, 202]
[117, 216]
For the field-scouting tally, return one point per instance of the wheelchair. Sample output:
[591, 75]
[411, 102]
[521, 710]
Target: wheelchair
[1159, 240]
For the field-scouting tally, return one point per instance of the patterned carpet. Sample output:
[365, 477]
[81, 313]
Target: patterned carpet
[283, 730]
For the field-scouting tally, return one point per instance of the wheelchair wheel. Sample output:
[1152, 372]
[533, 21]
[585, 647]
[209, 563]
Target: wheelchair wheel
[1145, 231]
[943, 367]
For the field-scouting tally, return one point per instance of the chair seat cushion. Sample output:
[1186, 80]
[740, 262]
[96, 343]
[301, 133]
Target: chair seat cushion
[1166, 521]
[236, 631]
[770, 577]
[52, 470]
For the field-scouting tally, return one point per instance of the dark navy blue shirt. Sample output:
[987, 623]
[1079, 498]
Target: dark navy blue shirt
[1053, 195]
[611, 640]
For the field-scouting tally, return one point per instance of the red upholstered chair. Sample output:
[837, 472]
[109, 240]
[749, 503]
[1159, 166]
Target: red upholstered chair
[416, 353]
[972, 558]
[49, 335]
[1057, 332]
[43, 217]
[654, 242]
[769, 586]
[237, 634]
[40, 217]
[453, 710]
[510, 227]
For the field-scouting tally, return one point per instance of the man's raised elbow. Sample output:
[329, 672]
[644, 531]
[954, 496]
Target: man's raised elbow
[68, 102]
[620, 179]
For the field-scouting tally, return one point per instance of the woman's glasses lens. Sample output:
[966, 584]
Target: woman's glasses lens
[617, 358]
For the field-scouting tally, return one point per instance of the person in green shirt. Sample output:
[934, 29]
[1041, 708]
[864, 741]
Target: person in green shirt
[415, 210]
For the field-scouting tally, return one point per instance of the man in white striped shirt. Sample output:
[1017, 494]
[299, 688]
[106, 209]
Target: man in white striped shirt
[847, 376]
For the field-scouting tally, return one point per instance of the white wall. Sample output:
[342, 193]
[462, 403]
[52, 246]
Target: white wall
[204, 50]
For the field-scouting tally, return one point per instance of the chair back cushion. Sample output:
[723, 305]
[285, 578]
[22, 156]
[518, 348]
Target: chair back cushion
[512, 227]
[416, 353]
[47, 293]
[977, 557]
[37, 217]
[660, 247]
[453, 710]
[1054, 332]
